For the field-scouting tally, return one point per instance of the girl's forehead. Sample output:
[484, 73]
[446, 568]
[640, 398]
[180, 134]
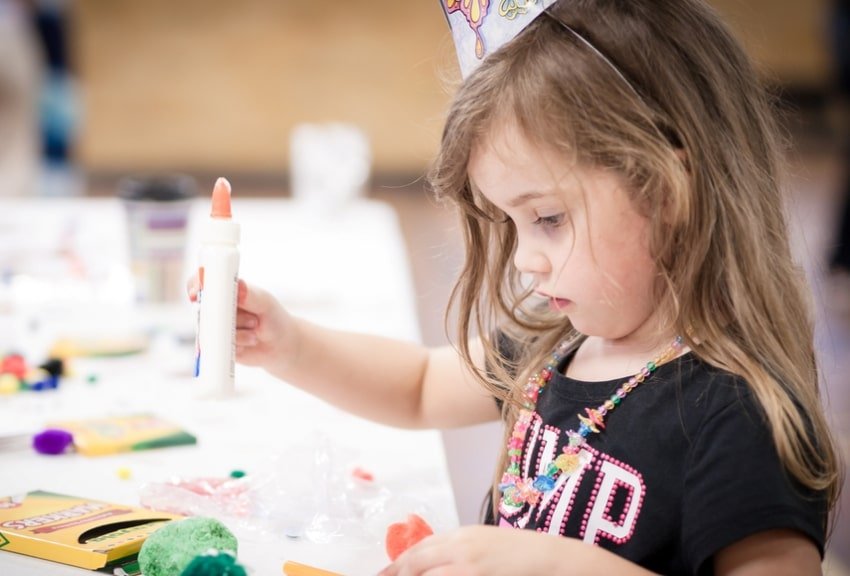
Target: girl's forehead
[503, 135]
[508, 164]
[514, 174]
[511, 144]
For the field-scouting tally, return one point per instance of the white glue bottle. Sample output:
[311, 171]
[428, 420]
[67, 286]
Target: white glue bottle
[218, 275]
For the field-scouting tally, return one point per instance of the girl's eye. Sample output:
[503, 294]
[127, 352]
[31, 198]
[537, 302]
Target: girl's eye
[551, 221]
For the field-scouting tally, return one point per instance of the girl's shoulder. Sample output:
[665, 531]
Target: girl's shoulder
[704, 392]
[705, 384]
[735, 482]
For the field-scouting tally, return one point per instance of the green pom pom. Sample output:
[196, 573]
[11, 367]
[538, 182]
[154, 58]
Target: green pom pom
[218, 564]
[170, 549]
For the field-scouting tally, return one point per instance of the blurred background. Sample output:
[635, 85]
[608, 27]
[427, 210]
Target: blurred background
[92, 91]
[215, 86]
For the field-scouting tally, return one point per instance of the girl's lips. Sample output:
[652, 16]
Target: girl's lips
[555, 304]
[558, 304]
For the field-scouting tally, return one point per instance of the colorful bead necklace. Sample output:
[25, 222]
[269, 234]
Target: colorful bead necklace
[517, 490]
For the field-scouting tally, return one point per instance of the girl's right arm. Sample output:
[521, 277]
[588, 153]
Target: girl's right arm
[389, 381]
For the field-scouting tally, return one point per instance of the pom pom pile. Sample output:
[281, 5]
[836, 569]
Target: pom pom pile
[169, 550]
[214, 564]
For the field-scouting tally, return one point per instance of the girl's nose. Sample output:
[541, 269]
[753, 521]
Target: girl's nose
[529, 260]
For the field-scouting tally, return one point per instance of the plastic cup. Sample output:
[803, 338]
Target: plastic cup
[157, 210]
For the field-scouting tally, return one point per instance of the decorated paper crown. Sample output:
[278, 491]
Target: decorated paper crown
[479, 30]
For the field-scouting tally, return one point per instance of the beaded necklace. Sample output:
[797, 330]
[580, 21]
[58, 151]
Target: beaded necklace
[517, 490]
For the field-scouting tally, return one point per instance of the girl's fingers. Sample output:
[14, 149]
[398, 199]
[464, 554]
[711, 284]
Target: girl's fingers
[192, 287]
[241, 292]
[245, 338]
[253, 299]
[429, 557]
[246, 320]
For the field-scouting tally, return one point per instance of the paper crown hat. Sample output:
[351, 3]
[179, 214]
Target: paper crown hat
[478, 30]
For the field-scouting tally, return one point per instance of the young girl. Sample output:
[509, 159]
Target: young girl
[629, 307]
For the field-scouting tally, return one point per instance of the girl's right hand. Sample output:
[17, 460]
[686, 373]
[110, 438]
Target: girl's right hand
[264, 330]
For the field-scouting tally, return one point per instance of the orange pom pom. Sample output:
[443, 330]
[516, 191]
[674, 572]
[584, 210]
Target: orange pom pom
[403, 535]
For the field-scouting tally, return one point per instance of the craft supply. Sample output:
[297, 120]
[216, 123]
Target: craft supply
[127, 567]
[76, 531]
[516, 490]
[171, 549]
[52, 441]
[14, 364]
[99, 436]
[54, 366]
[291, 568]
[363, 475]
[99, 347]
[214, 563]
[157, 208]
[17, 376]
[215, 349]
[199, 496]
[39, 380]
[9, 384]
[403, 535]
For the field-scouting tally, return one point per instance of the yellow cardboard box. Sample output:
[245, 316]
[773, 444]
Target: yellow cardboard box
[76, 531]
[100, 436]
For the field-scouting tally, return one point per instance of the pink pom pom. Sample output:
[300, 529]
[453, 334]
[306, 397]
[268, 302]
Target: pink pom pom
[403, 535]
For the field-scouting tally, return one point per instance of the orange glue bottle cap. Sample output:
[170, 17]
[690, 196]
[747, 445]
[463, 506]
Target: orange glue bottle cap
[220, 228]
[221, 199]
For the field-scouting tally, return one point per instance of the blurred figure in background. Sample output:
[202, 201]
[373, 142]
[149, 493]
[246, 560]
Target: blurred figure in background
[58, 103]
[20, 85]
[39, 111]
[840, 43]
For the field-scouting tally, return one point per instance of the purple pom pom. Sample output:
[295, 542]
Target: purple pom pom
[52, 441]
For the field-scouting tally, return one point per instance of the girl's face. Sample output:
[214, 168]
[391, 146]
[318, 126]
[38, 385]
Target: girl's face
[580, 241]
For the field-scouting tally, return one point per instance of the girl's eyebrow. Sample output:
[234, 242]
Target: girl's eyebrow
[523, 198]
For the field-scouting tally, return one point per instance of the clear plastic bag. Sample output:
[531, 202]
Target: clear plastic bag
[306, 492]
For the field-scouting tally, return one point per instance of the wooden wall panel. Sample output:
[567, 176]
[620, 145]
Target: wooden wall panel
[218, 85]
[786, 38]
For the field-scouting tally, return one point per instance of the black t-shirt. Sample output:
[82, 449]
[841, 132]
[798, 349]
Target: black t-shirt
[685, 467]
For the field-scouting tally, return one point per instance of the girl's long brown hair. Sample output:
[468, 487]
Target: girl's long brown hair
[692, 132]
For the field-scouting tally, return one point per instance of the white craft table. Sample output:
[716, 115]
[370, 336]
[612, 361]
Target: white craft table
[65, 272]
